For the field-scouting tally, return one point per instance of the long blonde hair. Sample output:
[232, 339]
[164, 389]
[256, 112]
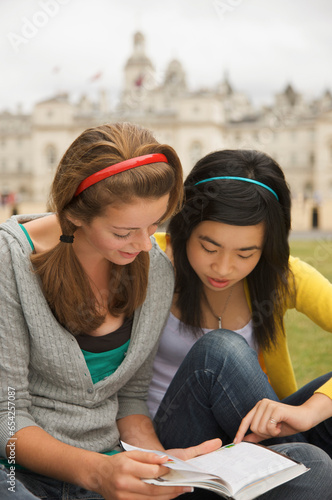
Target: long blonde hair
[65, 284]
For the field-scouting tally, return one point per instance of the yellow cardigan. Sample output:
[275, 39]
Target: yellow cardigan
[311, 295]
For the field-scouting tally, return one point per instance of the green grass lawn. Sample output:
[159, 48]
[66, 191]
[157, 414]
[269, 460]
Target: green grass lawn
[309, 345]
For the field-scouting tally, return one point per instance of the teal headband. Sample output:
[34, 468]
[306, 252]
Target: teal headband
[245, 179]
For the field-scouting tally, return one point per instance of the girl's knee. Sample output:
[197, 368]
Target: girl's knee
[221, 344]
[311, 456]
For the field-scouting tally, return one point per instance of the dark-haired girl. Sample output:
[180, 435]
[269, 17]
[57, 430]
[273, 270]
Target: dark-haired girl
[224, 347]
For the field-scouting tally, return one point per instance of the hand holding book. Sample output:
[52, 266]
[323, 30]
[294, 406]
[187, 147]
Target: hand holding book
[242, 471]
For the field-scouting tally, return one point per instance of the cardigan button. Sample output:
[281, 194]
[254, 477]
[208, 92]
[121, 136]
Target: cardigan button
[90, 390]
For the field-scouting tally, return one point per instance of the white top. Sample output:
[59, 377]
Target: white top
[175, 343]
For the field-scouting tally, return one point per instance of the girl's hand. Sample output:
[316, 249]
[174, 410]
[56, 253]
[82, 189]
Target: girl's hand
[119, 477]
[274, 419]
[195, 451]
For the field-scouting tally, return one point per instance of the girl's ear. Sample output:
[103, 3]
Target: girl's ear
[76, 222]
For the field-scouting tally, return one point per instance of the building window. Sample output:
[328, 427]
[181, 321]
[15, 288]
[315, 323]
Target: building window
[312, 159]
[308, 190]
[51, 156]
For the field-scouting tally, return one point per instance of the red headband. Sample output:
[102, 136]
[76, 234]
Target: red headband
[120, 167]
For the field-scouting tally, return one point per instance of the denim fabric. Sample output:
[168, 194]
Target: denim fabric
[217, 384]
[31, 486]
[17, 491]
[219, 381]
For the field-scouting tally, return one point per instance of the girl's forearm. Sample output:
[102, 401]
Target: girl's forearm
[319, 406]
[138, 430]
[38, 451]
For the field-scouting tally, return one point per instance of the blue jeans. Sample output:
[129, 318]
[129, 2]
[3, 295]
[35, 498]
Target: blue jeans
[31, 486]
[219, 381]
[11, 489]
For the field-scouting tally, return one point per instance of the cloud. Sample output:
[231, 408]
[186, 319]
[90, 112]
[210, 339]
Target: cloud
[263, 45]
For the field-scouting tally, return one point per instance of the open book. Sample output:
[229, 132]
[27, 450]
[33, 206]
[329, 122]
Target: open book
[240, 471]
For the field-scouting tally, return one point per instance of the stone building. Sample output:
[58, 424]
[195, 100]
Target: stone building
[297, 133]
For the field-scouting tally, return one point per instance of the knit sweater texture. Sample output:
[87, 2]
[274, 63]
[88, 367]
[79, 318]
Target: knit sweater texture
[42, 365]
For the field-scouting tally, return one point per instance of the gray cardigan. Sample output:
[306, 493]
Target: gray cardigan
[43, 363]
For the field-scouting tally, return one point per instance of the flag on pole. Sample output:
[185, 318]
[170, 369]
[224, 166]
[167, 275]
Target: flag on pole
[139, 81]
[95, 77]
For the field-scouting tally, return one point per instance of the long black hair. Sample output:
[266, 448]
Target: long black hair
[237, 203]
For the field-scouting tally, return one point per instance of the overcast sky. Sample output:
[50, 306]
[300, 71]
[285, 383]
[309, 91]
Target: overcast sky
[59, 45]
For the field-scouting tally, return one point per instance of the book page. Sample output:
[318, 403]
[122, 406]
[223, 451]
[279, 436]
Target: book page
[242, 464]
[181, 472]
[172, 462]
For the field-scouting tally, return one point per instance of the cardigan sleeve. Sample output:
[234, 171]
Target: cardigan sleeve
[15, 348]
[161, 239]
[132, 398]
[153, 315]
[312, 296]
[326, 388]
